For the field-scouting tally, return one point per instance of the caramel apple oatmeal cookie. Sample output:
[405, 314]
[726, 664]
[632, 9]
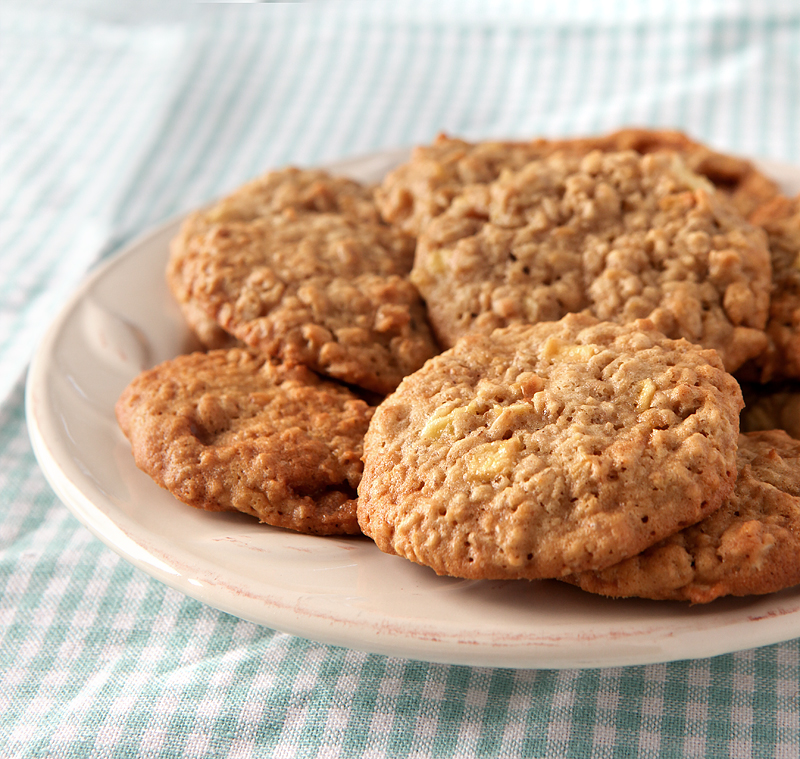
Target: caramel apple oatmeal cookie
[781, 359]
[618, 235]
[545, 450]
[749, 546]
[308, 190]
[328, 289]
[425, 186]
[740, 179]
[229, 430]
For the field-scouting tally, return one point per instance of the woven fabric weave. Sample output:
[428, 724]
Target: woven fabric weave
[115, 117]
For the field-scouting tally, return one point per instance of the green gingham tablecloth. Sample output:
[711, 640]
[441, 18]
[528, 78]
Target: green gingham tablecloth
[114, 117]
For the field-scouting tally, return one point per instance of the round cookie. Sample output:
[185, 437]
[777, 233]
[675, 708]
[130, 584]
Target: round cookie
[230, 430]
[326, 287]
[544, 448]
[781, 359]
[315, 289]
[305, 190]
[751, 545]
[619, 235]
[425, 186]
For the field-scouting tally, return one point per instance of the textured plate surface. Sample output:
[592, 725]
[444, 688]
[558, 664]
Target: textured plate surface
[338, 591]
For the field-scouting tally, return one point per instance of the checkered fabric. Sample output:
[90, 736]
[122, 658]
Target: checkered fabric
[115, 116]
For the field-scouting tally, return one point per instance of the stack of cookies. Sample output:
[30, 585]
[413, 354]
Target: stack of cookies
[508, 361]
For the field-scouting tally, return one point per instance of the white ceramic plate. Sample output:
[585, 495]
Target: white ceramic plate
[338, 591]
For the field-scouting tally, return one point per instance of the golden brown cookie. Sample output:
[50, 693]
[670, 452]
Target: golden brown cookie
[323, 285]
[619, 235]
[540, 449]
[304, 190]
[230, 430]
[422, 188]
[751, 545]
[781, 359]
[747, 187]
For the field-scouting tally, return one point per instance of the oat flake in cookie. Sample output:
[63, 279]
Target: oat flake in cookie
[304, 190]
[545, 448]
[229, 430]
[781, 359]
[619, 235]
[423, 187]
[750, 545]
[320, 284]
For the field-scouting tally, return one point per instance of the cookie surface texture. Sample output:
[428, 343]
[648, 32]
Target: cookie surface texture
[739, 179]
[321, 283]
[619, 235]
[750, 545]
[781, 358]
[304, 190]
[541, 449]
[229, 430]
[425, 186]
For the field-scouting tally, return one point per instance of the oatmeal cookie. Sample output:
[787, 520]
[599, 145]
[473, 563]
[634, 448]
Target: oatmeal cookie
[326, 288]
[747, 187]
[230, 430]
[619, 235]
[425, 186]
[781, 359]
[304, 190]
[749, 546]
[544, 448]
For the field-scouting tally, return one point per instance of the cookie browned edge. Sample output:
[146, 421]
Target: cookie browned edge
[750, 546]
[780, 218]
[230, 430]
[423, 187]
[400, 508]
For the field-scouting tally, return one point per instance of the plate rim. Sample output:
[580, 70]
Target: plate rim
[433, 645]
